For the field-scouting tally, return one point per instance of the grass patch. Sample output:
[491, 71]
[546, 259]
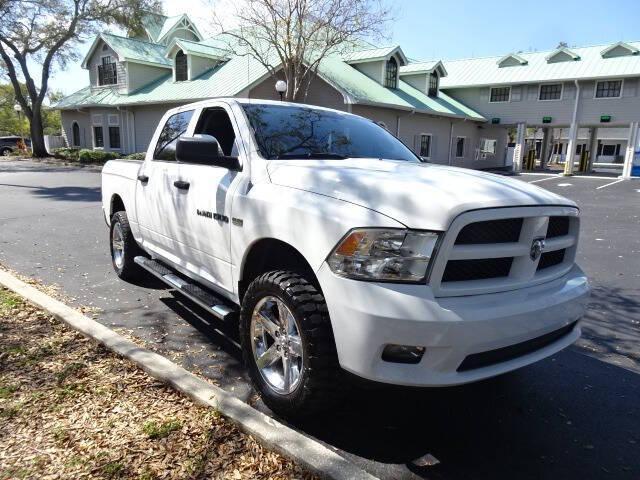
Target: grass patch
[155, 430]
[113, 469]
[7, 391]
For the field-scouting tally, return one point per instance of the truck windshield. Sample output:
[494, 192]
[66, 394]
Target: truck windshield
[283, 132]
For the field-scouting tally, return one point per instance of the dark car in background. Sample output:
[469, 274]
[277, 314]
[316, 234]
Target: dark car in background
[10, 143]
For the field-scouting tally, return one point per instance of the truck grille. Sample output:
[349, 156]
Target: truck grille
[491, 231]
[485, 255]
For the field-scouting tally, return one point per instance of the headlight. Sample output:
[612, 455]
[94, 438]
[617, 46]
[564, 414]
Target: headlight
[379, 254]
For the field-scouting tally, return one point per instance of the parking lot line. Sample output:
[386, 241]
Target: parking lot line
[543, 179]
[607, 184]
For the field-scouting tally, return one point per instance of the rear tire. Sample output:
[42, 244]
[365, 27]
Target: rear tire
[123, 247]
[305, 338]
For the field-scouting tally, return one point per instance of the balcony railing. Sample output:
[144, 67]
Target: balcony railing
[107, 74]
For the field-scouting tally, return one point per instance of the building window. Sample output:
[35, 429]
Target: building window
[114, 137]
[500, 94]
[391, 78]
[98, 138]
[433, 84]
[425, 145]
[488, 146]
[609, 89]
[459, 147]
[75, 134]
[550, 92]
[107, 72]
[182, 73]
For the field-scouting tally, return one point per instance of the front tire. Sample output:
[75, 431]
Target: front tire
[288, 344]
[123, 247]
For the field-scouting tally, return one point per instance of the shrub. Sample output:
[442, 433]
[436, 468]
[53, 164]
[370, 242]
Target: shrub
[96, 156]
[66, 153]
[136, 156]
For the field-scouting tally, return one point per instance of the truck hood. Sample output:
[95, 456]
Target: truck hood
[422, 196]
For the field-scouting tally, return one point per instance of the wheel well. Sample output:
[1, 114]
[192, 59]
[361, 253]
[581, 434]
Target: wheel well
[117, 205]
[271, 254]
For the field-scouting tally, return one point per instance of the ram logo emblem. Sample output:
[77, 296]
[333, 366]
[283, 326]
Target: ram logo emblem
[537, 247]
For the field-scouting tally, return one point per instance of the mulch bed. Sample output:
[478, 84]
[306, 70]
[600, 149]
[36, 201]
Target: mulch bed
[71, 409]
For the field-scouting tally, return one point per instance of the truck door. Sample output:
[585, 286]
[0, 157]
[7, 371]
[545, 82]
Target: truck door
[206, 209]
[157, 196]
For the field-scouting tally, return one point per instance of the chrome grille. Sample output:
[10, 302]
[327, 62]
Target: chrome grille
[487, 251]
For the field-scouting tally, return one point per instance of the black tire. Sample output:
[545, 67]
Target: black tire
[322, 380]
[5, 152]
[125, 267]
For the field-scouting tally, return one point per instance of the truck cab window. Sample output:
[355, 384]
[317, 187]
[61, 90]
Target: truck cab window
[175, 127]
[216, 122]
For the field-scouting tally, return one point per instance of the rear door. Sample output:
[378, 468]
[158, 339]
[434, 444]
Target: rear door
[158, 198]
[205, 210]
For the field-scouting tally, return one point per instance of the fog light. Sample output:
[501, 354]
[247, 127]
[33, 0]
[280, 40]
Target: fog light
[402, 354]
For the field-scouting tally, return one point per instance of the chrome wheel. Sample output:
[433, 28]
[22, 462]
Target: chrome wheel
[117, 245]
[276, 344]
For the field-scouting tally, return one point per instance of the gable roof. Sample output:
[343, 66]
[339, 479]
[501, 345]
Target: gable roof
[423, 67]
[485, 71]
[374, 55]
[130, 49]
[197, 48]
[511, 58]
[562, 51]
[630, 48]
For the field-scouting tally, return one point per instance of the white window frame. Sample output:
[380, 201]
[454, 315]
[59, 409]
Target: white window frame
[464, 146]
[595, 88]
[430, 145]
[108, 136]
[486, 152]
[93, 136]
[500, 101]
[551, 99]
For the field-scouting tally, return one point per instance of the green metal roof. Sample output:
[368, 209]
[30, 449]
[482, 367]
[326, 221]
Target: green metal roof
[243, 71]
[152, 23]
[135, 50]
[169, 23]
[199, 49]
[590, 64]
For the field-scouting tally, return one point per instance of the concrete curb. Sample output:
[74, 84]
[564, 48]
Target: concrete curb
[304, 451]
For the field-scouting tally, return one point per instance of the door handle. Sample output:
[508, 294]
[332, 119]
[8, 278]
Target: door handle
[181, 184]
[143, 178]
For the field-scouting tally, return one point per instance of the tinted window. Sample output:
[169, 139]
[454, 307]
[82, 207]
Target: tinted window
[216, 122]
[299, 132]
[97, 135]
[175, 127]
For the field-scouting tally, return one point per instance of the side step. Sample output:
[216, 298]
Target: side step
[205, 298]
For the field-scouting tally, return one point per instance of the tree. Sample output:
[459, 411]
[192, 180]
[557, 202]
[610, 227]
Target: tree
[294, 36]
[46, 33]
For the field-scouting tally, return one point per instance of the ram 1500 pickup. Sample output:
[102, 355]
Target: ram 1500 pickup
[335, 248]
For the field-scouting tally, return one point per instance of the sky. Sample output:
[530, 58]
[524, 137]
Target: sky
[450, 29]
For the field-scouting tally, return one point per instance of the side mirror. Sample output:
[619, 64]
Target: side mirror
[204, 150]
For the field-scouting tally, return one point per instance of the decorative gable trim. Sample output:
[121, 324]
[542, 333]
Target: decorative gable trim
[562, 54]
[182, 23]
[511, 60]
[609, 52]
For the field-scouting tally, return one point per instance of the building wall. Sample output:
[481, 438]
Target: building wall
[96, 59]
[419, 81]
[141, 75]
[199, 65]
[525, 106]
[146, 121]
[320, 93]
[374, 70]
[82, 118]
[180, 33]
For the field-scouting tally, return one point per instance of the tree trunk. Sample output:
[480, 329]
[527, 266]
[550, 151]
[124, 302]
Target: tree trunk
[37, 134]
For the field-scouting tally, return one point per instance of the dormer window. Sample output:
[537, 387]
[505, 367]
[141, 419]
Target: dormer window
[182, 71]
[433, 84]
[391, 75]
[107, 71]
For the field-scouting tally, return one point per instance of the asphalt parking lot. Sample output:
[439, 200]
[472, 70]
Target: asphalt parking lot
[575, 415]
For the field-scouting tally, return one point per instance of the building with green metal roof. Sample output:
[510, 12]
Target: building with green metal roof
[453, 112]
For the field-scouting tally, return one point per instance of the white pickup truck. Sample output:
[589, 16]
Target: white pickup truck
[336, 249]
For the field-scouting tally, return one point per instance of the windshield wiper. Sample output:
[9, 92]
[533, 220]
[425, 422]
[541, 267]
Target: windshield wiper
[319, 155]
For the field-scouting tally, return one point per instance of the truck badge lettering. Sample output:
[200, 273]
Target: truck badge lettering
[215, 216]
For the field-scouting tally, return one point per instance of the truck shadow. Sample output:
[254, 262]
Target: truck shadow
[570, 416]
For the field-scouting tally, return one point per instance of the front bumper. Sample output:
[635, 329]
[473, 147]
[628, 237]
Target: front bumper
[367, 316]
